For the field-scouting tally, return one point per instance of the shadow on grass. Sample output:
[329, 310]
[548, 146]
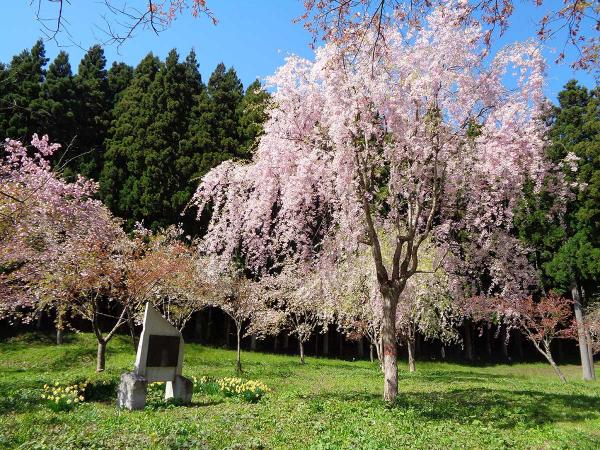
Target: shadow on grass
[499, 408]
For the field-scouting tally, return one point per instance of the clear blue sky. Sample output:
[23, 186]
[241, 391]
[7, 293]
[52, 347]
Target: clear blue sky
[254, 36]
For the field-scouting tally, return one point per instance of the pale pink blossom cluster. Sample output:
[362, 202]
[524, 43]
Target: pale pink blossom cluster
[56, 239]
[431, 114]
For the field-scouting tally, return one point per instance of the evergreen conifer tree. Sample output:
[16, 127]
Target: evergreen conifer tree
[252, 115]
[93, 112]
[20, 97]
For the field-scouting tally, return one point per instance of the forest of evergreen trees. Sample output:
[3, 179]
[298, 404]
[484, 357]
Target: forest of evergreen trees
[146, 134]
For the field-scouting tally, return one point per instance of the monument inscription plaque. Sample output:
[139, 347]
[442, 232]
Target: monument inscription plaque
[163, 351]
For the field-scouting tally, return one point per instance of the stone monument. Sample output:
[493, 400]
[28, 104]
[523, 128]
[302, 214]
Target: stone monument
[159, 358]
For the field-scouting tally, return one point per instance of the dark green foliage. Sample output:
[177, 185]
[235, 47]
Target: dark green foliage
[20, 94]
[93, 112]
[569, 251]
[148, 172]
[147, 134]
[134, 113]
[225, 93]
[59, 96]
[119, 77]
[213, 134]
[252, 114]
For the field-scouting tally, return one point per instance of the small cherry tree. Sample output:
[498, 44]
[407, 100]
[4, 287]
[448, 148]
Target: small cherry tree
[292, 301]
[234, 294]
[541, 321]
[165, 272]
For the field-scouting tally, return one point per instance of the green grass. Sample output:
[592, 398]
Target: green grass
[324, 404]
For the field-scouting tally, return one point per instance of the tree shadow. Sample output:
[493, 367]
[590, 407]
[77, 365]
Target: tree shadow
[502, 409]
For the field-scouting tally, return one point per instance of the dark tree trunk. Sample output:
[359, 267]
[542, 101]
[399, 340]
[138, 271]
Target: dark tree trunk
[286, 342]
[253, 343]
[326, 343]
[443, 351]
[198, 328]
[341, 344]
[488, 341]
[209, 325]
[361, 348]
[228, 333]
[40, 320]
[468, 341]
[518, 339]
[275, 344]
[417, 344]
[317, 344]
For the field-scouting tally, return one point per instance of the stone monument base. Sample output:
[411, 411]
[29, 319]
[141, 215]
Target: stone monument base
[132, 391]
[181, 389]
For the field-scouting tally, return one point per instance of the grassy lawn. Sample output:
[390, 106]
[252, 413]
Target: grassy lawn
[324, 404]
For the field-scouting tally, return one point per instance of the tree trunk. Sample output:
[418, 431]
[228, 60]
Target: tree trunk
[390, 351]
[410, 345]
[209, 324]
[371, 352]
[101, 356]
[548, 356]
[198, 326]
[468, 341]
[317, 344]
[519, 344]
[253, 343]
[131, 327]
[286, 342]
[488, 341]
[505, 337]
[275, 344]
[326, 343]
[60, 328]
[588, 339]
[238, 360]
[361, 348]
[379, 348]
[301, 346]
[443, 352]
[587, 368]
[417, 344]
[40, 320]
[228, 333]
[341, 344]
[59, 336]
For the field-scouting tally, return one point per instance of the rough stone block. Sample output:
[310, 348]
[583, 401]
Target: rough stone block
[181, 388]
[132, 391]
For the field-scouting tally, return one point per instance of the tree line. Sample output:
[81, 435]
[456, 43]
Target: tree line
[146, 134]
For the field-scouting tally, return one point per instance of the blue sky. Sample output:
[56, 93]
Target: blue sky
[254, 36]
